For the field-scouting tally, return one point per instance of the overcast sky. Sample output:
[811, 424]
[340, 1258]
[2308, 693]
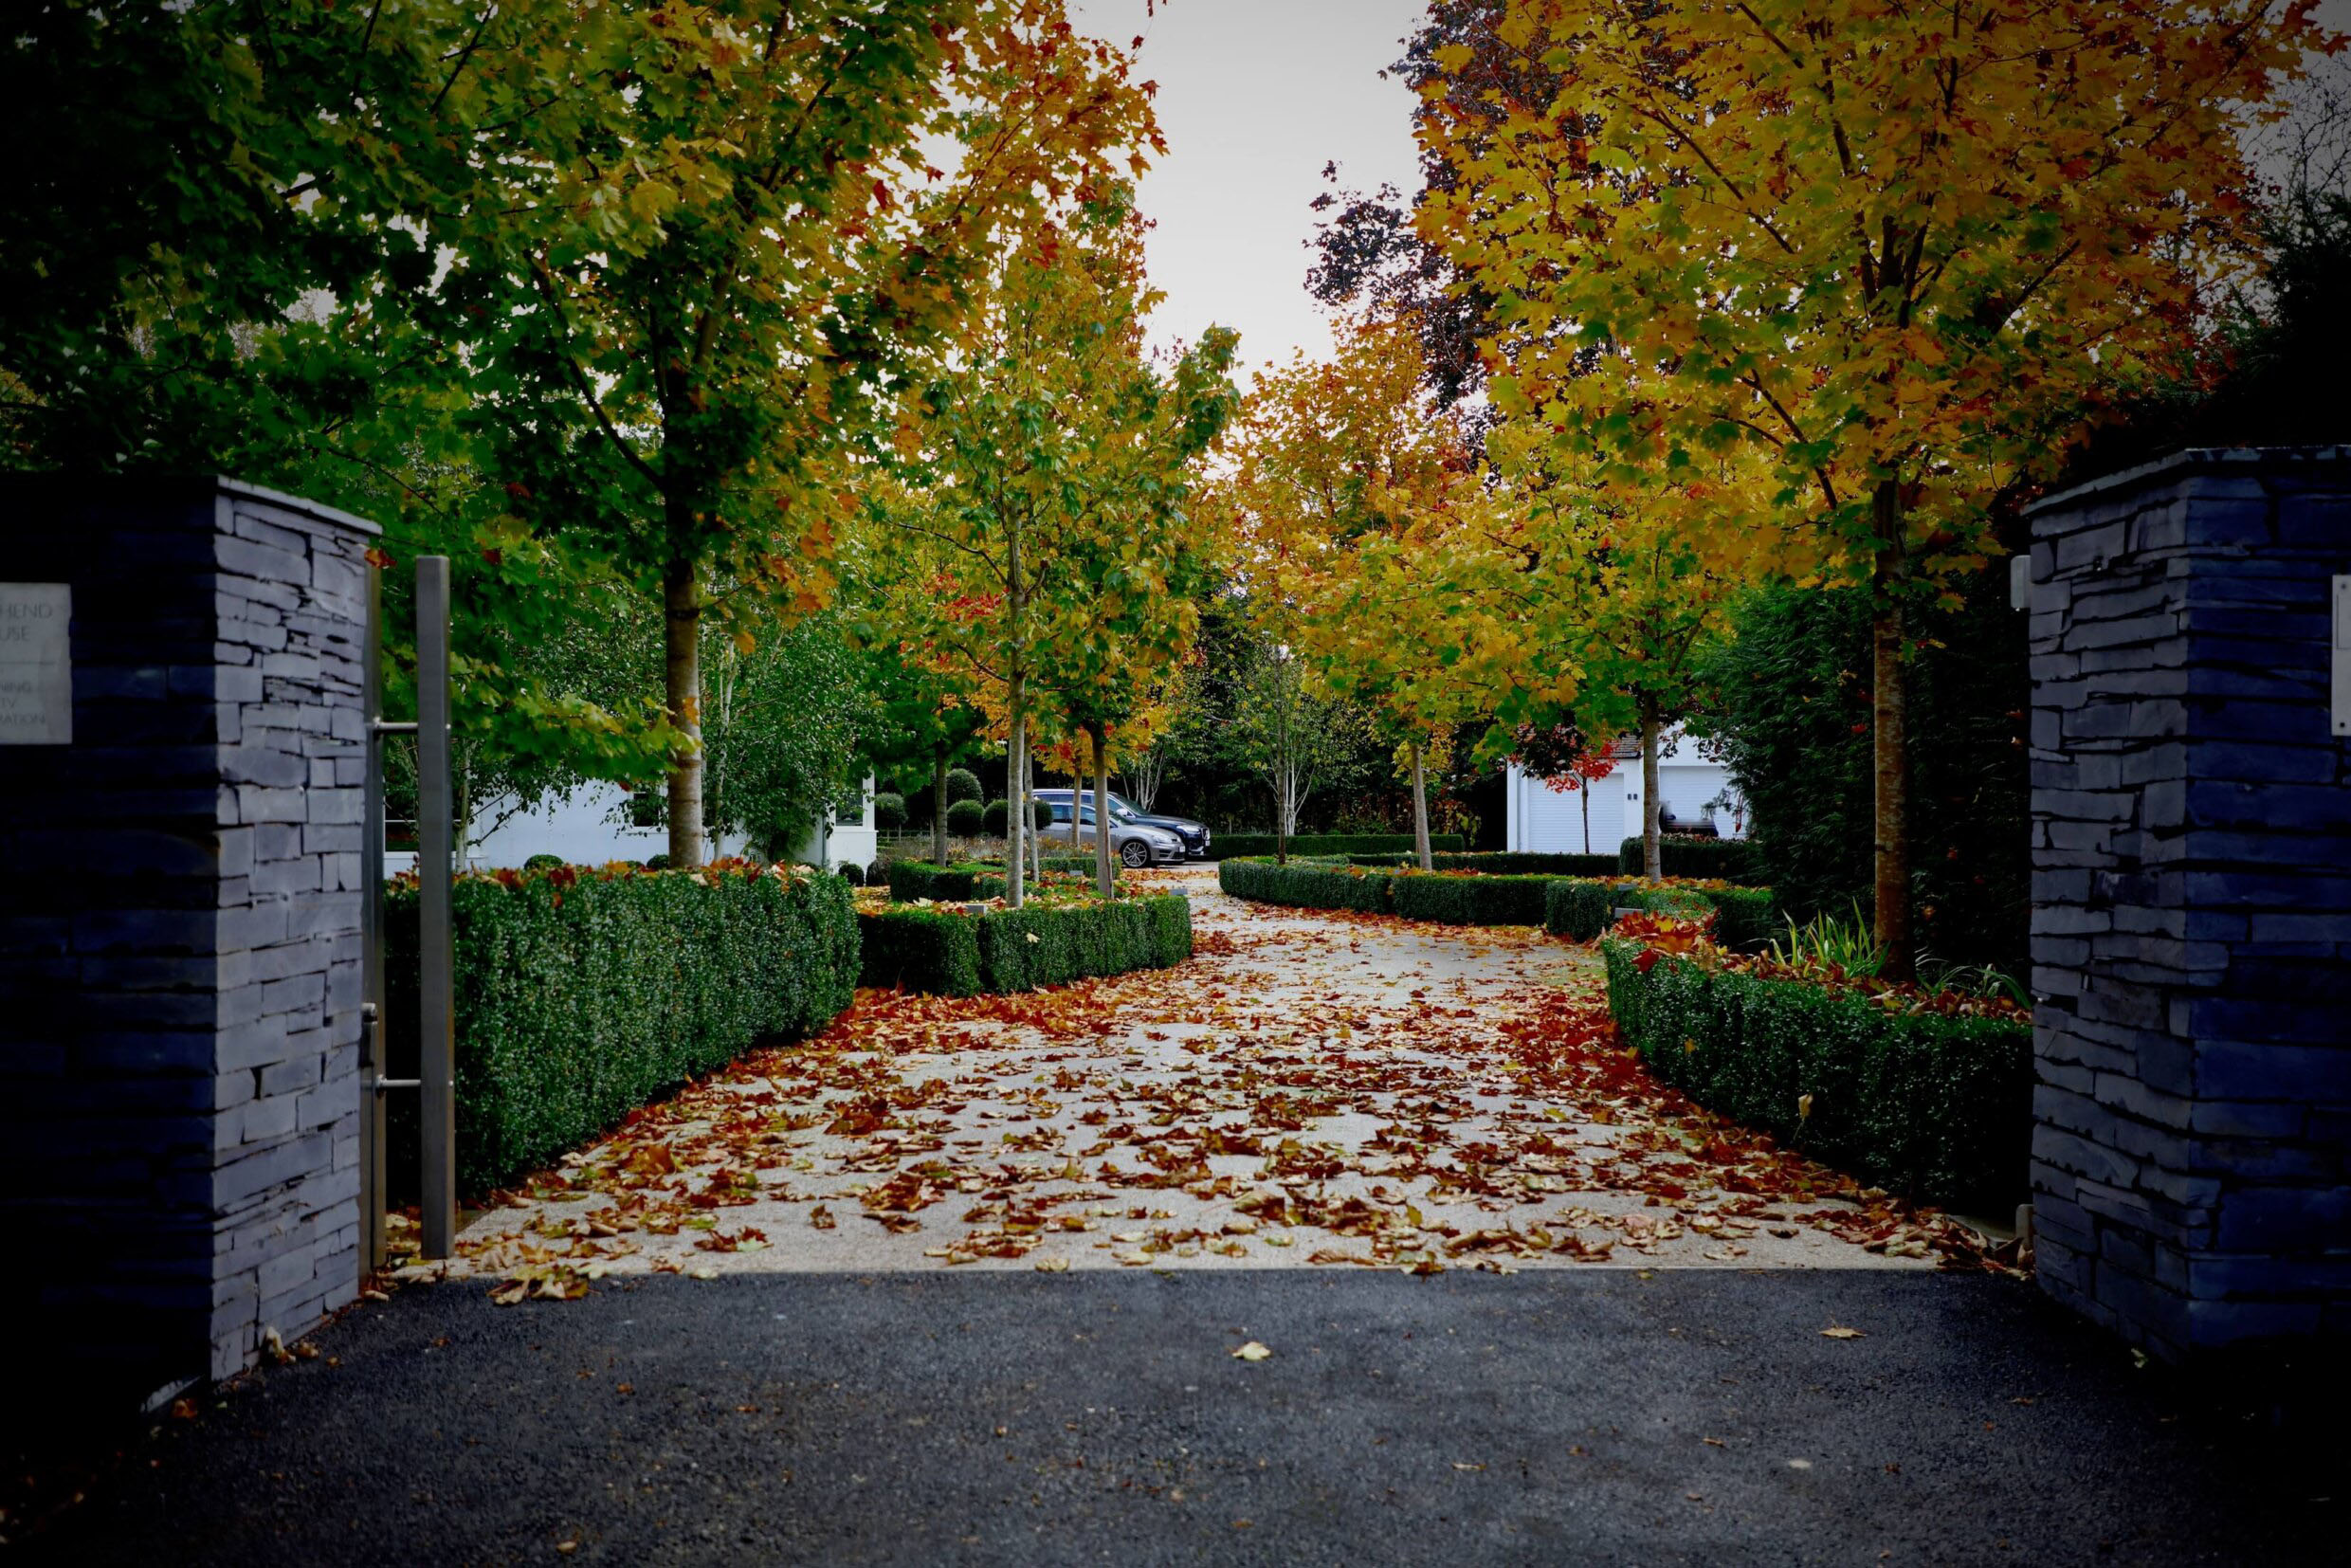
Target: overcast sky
[1255, 95]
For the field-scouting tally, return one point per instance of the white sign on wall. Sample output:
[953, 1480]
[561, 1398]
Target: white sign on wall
[36, 663]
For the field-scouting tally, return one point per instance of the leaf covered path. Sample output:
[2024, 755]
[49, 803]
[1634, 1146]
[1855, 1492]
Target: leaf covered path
[1311, 1089]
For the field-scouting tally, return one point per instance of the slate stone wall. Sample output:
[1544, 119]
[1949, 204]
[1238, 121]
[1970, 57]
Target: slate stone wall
[179, 933]
[2192, 900]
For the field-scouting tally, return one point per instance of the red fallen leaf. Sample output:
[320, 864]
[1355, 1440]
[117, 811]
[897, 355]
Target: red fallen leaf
[651, 1159]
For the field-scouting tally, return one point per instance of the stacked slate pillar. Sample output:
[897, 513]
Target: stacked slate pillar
[179, 934]
[2192, 900]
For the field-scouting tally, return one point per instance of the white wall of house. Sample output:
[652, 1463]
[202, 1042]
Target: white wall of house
[591, 825]
[1541, 820]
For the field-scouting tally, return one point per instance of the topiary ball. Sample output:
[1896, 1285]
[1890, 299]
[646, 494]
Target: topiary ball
[962, 784]
[967, 818]
[851, 874]
[997, 815]
[890, 811]
[543, 863]
[656, 863]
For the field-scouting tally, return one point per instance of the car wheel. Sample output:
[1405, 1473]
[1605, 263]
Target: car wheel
[1135, 853]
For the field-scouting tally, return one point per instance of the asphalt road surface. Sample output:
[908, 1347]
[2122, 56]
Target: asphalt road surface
[1602, 1415]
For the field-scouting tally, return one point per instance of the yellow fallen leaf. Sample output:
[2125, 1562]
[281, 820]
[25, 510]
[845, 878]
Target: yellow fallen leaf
[1251, 1351]
[1052, 1266]
[705, 1272]
[1837, 1333]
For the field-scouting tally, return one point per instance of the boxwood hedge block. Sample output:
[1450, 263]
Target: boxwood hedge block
[1469, 901]
[1505, 863]
[1935, 1107]
[581, 998]
[1238, 846]
[1700, 859]
[1306, 887]
[1002, 951]
[1582, 908]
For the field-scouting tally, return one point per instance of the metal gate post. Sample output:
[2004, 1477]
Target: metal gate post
[372, 1194]
[436, 867]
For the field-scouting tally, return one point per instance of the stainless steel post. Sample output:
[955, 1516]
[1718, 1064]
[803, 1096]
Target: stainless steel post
[372, 943]
[436, 867]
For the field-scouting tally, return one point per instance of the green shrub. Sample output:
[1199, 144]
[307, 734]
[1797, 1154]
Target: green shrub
[1939, 1108]
[935, 951]
[1504, 863]
[890, 811]
[1306, 887]
[1458, 900]
[581, 998]
[543, 863]
[967, 819]
[851, 872]
[1003, 950]
[913, 881]
[995, 817]
[1703, 859]
[1238, 846]
[1580, 908]
[962, 784]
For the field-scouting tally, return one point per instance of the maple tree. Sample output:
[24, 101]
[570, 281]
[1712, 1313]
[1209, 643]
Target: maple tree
[1047, 491]
[735, 251]
[1346, 484]
[1895, 250]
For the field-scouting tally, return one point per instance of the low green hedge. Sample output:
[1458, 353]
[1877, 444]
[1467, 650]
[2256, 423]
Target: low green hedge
[1504, 863]
[1700, 859]
[1239, 846]
[1937, 1109]
[1306, 887]
[912, 881]
[1580, 908]
[948, 952]
[1457, 899]
[581, 997]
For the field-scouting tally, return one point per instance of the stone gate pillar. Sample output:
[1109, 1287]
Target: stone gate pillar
[180, 814]
[2192, 900]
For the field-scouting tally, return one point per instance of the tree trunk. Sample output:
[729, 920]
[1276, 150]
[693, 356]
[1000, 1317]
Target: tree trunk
[1420, 812]
[682, 671]
[1076, 790]
[1016, 801]
[939, 805]
[1586, 793]
[1653, 839]
[1106, 878]
[1890, 743]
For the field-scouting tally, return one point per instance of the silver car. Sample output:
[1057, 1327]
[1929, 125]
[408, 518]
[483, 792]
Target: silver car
[1136, 844]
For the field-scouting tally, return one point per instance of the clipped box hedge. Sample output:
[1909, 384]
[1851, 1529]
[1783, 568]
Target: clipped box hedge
[1700, 859]
[1581, 908]
[1456, 900]
[912, 881]
[582, 996]
[1936, 1108]
[1306, 887]
[947, 953]
[1239, 846]
[1509, 863]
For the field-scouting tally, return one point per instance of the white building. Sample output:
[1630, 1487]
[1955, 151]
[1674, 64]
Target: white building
[591, 825]
[1542, 820]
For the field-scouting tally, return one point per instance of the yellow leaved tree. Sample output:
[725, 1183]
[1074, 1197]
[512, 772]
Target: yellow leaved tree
[1897, 249]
